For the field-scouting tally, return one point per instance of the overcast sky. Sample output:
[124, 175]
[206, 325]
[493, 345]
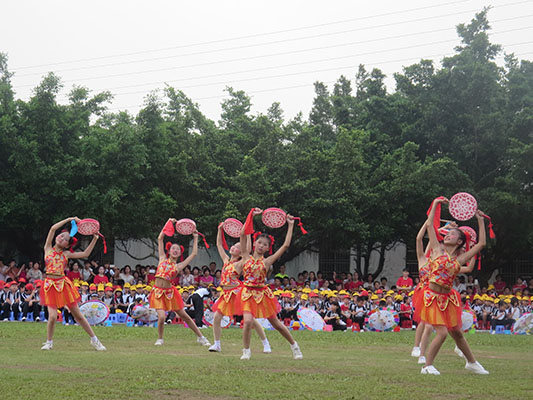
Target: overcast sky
[272, 50]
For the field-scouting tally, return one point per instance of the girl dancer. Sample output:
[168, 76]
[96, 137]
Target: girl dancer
[229, 302]
[442, 305]
[164, 296]
[257, 299]
[423, 270]
[58, 291]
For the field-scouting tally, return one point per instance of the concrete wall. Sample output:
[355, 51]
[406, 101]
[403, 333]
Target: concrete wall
[146, 251]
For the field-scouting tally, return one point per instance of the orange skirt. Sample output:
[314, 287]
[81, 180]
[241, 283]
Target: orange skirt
[418, 301]
[168, 299]
[58, 292]
[441, 308]
[229, 303]
[260, 302]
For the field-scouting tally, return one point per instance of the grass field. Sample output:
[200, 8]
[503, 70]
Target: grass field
[336, 365]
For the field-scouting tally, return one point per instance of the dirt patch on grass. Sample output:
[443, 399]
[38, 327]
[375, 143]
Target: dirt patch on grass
[187, 395]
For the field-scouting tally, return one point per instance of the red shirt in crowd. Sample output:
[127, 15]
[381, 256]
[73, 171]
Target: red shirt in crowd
[499, 286]
[100, 279]
[72, 275]
[402, 283]
[351, 285]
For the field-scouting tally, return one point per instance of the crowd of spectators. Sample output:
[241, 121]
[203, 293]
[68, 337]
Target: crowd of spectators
[342, 299]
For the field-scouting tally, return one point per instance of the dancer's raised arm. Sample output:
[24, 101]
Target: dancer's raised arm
[463, 258]
[50, 238]
[288, 237]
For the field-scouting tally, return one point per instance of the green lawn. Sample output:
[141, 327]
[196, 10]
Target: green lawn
[336, 365]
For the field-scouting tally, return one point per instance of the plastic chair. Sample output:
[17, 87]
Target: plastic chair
[42, 316]
[500, 329]
[112, 318]
[29, 317]
[121, 318]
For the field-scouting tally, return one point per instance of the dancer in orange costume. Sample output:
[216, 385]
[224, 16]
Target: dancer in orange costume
[229, 302]
[258, 301]
[58, 291]
[442, 305]
[165, 297]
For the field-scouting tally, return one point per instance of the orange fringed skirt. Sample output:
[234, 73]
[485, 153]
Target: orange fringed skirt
[441, 308]
[168, 299]
[259, 301]
[229, 303]
[418, 301]
[58, 292]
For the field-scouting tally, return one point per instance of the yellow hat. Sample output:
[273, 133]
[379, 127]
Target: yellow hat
[390, 292]
[306, 290]
[304, 296]
[355, 294]
[507, 300]
[374, 297]
[398, 297]
[490, 287]
[219, 289]
[77, 284]
[108, 284]
[343, 292]
[83, 283]
[496, 301]
[101, 287]
[149, 288]
[126, 285]
[133, 287]
[315, 291]
[411, 293]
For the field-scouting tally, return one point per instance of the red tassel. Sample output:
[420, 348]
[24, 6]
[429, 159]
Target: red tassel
[304, 232]
[205, 241]
[74, 243]
[105, 244]
[182, 250]
[224, 243]
[436, 221]
[249, 224]
[271, 243]
[492, 235]
[467, 244]
[168, 229]
[478, 256]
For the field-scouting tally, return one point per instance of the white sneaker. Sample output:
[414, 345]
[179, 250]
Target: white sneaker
[23, 319]
[421, 360]
[429, 370]
[296, 352]
[415, 352]
[477, 368]
[97, 345]
[47, 346]
[159, 342]
[37, 319]
[459, 352]
[215, 348]
[267, 348]
[203, 341]
[246, 354]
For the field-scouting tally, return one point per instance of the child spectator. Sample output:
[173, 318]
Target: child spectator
[333, 318]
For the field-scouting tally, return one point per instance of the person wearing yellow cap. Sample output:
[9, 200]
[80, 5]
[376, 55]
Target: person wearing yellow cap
[257, 298]
[442, 305]
[164, 296]
[229, 303]
[58, 290]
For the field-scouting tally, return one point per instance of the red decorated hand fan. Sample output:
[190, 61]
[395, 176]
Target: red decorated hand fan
[186, 226]
[232, 227]
[275, 218]
[89, 226]
[462, 206]
[471, 232]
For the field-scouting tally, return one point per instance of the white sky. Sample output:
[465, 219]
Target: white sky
[203, 46]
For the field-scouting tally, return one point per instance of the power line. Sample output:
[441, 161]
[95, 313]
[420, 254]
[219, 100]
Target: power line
[255, 35]
[291, 64]
[297, 86]
[292, 52]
